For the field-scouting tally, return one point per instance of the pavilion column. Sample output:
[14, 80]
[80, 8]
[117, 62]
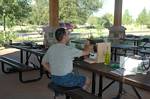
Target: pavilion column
[49, 37]
[117, 31]
[54, 13]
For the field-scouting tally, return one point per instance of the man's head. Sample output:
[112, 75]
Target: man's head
[62, 35]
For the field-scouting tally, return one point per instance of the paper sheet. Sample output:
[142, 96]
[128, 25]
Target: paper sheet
[123, 72]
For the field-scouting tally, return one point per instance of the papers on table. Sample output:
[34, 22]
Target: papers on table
[123, 72]
[128, 66]
[90, 60]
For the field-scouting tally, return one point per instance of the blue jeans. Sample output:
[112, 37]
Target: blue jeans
[69, 80]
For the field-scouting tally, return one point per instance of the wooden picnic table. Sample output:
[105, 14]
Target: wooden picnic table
[138, 80]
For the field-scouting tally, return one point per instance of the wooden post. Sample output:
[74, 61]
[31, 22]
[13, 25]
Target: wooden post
[118, 13]
[54, 13]
[117, 31]
[49, 37]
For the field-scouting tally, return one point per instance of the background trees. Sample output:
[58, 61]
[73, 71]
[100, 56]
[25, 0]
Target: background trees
[36, 12]
[127, 18]
[14, 11]
[142, 18]
[22, 11]
[78, 11]
[40, 12]
[104, 21]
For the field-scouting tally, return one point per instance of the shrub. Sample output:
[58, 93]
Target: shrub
[5, 37]
[2, 38]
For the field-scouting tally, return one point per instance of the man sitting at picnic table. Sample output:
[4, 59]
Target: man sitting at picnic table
[58, 61]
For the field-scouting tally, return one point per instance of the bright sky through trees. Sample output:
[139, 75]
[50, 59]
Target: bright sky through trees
[134, 7]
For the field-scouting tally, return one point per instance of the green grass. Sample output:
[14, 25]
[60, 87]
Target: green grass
[91, 32]
[23, 31]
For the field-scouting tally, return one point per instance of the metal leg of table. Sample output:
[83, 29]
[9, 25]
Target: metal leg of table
[125, 52]
[101, 89]
[115, 55]
[100, 86]
[135, 43]
[108, 85]
[136, 92]
[120, 91]
[111, 54]
[67, 97]
[21, 56]
[27, 57]
[41, 67]
[93, 82]
[27, 81]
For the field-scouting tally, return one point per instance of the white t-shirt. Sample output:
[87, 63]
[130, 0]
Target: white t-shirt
[60, 57]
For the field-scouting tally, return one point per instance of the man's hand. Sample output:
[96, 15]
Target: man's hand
[87, 48]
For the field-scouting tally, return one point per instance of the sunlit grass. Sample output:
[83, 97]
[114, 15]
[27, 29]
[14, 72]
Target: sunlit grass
[91, 32]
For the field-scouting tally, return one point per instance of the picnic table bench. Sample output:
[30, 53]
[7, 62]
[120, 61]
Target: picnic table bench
[71, 92]
[16, 67]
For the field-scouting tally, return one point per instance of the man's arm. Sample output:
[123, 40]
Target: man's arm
[84, 53]
[46, 66]
[87, 49]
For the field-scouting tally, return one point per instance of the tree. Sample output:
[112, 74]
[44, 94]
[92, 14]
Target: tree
[148, 22]
[68, 10]
[1, 9]
[40, 14]
[14, 10]
[22, 9]
[107, 20]
[109, 17]
[6, 12]
[127, 18]
[92, 20]
[143, 17]
[77, 11]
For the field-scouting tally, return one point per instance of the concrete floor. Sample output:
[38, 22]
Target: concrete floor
[11, 88]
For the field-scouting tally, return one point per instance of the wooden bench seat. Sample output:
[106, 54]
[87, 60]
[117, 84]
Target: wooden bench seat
[71, 92]
[16, 67]
[81, 94]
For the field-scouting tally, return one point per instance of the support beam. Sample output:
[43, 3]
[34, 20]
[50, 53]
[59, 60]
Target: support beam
[118, 13]
[54, 13]
[49, 30]
[117, 31]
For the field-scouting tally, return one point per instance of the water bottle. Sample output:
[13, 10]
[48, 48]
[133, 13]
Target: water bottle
[107, 58]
